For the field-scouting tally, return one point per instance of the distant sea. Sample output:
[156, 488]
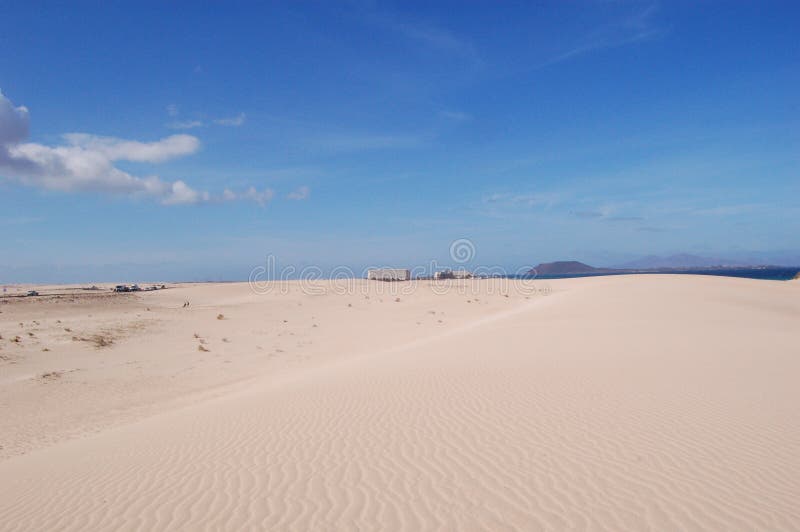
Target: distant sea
[766, 273]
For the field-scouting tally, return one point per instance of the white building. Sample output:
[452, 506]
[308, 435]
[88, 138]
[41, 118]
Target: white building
[388, 274]
[452, 274]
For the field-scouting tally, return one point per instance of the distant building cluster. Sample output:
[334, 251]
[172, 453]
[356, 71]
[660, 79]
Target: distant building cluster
[452, 274]
[401, 274]
[389, 274]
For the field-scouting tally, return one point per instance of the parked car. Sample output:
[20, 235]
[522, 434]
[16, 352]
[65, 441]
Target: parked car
[33, 293]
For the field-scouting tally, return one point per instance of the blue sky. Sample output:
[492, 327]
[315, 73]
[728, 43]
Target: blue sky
[188, 142]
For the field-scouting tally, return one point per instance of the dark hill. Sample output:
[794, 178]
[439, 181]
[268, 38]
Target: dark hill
[564, 267]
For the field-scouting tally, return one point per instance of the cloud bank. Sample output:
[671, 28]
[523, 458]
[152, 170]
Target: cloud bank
[86, 163]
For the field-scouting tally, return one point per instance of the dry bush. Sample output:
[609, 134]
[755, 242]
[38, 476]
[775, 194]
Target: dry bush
[202, 348]
[220, 316]
[99, 340]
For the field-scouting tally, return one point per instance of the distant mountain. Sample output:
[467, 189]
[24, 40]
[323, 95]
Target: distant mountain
[564, 267]
[682, 260]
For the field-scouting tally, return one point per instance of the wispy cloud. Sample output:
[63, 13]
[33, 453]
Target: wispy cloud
[588, 214]
[624, 219]
[455, 116]
[233, 121]
[527, 200]
[347, 142]
[301, 193]
[262, 197]
[173, 111]
[186, 124]
[651, 229]
[22, 220]
[631, 29]
[605, 215]
[729, 210]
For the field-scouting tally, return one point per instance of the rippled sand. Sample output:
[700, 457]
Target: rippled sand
[629, 402]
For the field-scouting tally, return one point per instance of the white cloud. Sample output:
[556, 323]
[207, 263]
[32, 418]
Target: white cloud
[179, 192]
[237, 120]
[85, 162]
[262, 198]
[13, 122]
[130, 150]
[251, 194]
[300, 194]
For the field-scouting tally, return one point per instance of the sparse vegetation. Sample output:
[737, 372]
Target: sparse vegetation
[50, 375]
[202, 348]
[220, 316]
[99, 340]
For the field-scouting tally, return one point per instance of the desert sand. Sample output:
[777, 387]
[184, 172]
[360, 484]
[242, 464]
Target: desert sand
[613, 403]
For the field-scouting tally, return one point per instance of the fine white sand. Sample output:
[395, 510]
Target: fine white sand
[627, 402]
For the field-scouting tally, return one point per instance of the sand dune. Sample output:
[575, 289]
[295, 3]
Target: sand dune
[631, 402]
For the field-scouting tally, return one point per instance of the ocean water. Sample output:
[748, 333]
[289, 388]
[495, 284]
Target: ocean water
[766, 273]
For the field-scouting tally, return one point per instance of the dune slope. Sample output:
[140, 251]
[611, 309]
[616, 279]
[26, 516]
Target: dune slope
[636, 402]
